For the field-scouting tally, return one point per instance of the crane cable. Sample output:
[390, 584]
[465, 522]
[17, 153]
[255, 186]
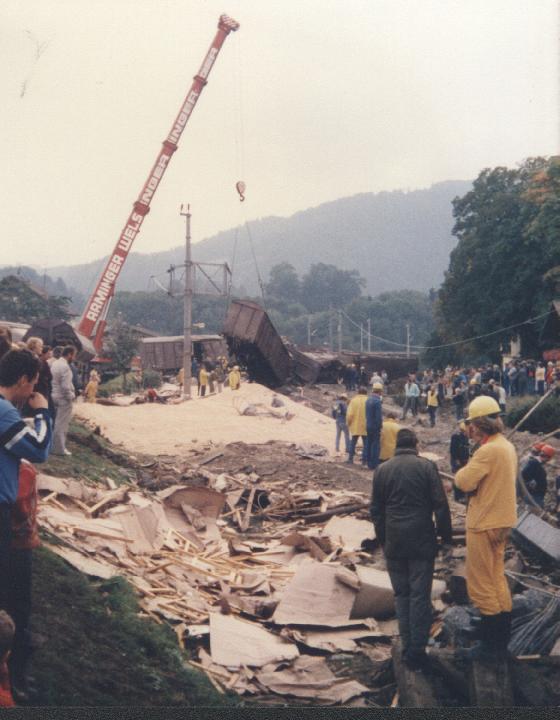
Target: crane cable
[239, 139]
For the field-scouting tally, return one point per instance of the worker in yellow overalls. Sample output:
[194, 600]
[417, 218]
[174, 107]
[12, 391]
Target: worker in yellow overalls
[489, 477]
[234, 378]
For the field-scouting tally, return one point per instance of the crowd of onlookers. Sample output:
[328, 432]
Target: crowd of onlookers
[38, 386]
[28, 401]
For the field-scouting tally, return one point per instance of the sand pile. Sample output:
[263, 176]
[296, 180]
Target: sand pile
[174, 429]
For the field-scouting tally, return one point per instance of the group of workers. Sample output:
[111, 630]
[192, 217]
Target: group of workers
[362, 418]
[211, 376]
[408, 493]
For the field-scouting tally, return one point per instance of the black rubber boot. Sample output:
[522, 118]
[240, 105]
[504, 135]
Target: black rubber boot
[417, 660]
[487, 647]
[503, 634]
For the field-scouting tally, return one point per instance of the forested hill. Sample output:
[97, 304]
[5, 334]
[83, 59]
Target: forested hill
[396, 240]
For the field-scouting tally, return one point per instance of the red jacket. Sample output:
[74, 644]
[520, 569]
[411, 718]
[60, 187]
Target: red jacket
[25, 534]
[6, 699]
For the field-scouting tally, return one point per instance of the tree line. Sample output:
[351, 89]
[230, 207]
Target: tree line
[505, 267]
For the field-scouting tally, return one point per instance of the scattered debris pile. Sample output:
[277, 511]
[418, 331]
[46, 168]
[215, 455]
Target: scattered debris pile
[268, 570]
[228, 564]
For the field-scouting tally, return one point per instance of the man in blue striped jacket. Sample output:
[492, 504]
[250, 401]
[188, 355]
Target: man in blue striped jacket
[19, 370]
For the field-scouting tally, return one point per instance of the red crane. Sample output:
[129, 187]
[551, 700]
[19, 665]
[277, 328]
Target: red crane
[94, 318]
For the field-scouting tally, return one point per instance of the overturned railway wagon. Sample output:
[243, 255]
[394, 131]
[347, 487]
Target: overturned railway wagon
[312, 365]
[254, 341]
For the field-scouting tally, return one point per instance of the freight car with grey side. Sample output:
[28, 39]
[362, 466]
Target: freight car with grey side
[166, 353]
[256, 344]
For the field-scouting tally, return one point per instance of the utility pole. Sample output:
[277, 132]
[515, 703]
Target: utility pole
[407, 340]
[361, 337]
[187, 312]
[309, 330]
[368, 335]
[340, 331]
[330, 328]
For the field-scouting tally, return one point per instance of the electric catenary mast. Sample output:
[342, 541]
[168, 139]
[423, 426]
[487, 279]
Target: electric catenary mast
[94, 319]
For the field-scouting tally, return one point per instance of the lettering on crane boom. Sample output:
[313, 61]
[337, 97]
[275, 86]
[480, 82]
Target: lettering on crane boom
[207, 65]
[153, 182]
[183, 116]
[114, 267]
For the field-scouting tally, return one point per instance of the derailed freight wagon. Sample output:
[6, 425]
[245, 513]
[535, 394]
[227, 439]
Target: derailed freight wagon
[254, 341]
[396, 365]
[166, 353]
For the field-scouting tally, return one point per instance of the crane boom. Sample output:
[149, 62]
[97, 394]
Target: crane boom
[93, 320]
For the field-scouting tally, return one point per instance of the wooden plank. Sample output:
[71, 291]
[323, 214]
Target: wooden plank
[490, 683]
[247, 517]
[414, 688]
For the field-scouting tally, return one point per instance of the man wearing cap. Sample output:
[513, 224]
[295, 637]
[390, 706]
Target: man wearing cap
[534, 472]
[490, 478]
[374, 423]
[339, 415]
[407, 493]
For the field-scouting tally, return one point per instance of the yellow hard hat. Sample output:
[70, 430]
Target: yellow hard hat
[483, 406]
[377, 386]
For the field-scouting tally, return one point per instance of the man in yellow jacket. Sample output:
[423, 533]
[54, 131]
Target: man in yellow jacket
[234, 378]
[389, 437]
[489, 477]
[357, 426]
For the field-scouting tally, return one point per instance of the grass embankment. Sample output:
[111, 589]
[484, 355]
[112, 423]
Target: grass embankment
[97, 650]
[92, 464]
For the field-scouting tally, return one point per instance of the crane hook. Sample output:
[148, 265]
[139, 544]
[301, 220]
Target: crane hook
[240, 187]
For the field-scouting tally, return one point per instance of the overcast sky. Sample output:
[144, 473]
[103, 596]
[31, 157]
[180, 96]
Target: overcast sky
[311, 100]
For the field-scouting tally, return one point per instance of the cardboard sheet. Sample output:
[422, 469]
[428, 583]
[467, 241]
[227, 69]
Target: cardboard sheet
[315, 596]
[86, 565]
[349, 532]
[234, 643]
[146, 527]
[311, 677]
[331, 640]
[66, 486]
[376, 598]
[208, 502]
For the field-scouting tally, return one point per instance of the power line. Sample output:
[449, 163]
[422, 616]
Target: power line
[452, 344]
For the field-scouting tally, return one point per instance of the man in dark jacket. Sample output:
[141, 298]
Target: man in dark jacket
[534, 473]
[374, 423]
[459, 454]
[407, 492]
